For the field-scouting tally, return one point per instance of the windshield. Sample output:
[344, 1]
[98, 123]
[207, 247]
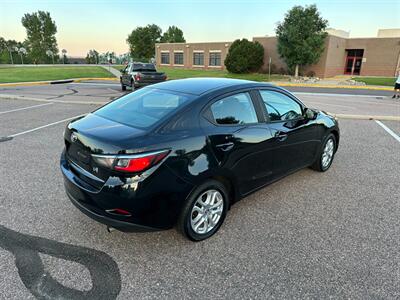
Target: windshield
[143, 108]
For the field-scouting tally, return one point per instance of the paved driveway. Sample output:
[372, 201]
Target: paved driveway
[310, 235]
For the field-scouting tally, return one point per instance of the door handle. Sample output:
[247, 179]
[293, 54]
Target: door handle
[281, 136]
[226, 146]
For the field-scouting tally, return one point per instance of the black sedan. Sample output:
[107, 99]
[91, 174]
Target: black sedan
[182, 152]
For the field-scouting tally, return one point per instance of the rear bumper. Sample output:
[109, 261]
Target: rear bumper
[110, 222]
[145, 83]
[154, 203]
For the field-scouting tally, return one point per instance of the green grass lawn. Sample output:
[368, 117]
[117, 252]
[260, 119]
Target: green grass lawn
[26, 74]
[178, 73]
[389, 81]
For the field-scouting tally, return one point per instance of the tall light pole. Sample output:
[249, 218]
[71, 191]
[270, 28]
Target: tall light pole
[50, 53]
[64, 52]
[9, 51]
[22, 51]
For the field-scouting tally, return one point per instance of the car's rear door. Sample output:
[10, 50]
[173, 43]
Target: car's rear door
[239, 139]
[295, 139]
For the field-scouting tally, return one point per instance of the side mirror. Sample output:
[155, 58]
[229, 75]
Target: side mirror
[310, 114]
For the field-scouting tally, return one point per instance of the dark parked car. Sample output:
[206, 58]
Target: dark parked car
[183, 151]
[138, 74]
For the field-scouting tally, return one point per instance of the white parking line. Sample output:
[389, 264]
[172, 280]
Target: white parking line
[24, 108]
[44, 126]
[327, 103]
[388, 130]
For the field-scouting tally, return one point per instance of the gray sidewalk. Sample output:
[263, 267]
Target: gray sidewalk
[113, 71]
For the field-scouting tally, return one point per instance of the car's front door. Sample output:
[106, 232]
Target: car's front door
[295, 139]
[239, 139]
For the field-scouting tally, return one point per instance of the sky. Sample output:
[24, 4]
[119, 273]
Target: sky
[104, 25]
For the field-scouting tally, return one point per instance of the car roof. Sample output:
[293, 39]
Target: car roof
[198, 86]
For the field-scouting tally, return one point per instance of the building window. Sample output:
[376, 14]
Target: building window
[215, 59]
[165, 58]
[355, 52]
[178, 58]
[198, 59]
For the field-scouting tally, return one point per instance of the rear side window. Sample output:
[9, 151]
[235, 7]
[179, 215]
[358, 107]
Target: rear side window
[144, 67]
[280, 107]
[235, 109]
[143, 108]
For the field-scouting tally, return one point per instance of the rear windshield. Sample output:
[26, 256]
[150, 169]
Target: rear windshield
[144, 67]
[143, 108]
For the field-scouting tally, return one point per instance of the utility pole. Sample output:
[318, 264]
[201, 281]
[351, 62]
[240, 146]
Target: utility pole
[269, 68]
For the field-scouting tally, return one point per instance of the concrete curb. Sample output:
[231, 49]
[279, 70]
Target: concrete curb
[33, 83]
[330, 86]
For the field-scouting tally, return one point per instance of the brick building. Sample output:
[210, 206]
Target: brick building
[376, 56]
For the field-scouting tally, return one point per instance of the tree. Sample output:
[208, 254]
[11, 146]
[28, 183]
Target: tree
[301, 36]
[11, 51]
[92, 57]
[40, 31]
[142, 41]
[173, 35]
[244, 56]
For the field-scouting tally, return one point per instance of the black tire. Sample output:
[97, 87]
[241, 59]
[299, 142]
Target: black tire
[318, 165]
[123, 86]
[184, 220]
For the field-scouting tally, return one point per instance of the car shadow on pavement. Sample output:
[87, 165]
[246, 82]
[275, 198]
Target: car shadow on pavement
[104, 271]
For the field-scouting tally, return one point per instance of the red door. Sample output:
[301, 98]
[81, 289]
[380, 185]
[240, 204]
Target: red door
[353, 65]
[348, 69]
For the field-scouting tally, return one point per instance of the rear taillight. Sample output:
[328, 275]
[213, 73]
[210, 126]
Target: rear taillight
[132, 163]
[137, 76]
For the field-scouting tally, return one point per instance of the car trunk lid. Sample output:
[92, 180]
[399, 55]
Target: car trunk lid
[96, 135]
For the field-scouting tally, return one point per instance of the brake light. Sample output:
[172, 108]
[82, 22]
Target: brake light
[137, 76]
[139, 163]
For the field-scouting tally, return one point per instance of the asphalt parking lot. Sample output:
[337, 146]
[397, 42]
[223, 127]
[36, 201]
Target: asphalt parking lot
[310, 235]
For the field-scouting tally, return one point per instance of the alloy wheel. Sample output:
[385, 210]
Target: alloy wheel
[207, 211]
[327, 154]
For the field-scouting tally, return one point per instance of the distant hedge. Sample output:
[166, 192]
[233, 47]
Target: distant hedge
[244, 57]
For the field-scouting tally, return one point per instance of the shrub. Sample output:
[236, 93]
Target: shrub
[244, 57]
[311, 73]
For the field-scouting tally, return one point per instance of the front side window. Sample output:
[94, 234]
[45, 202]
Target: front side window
[165, 58]
[143, 108]
[215, 59]
[178, 58]
[198, 58]
[280, 107]
[235, 109]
